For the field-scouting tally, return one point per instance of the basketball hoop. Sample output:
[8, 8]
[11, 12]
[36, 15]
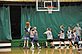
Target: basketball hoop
[50, 8]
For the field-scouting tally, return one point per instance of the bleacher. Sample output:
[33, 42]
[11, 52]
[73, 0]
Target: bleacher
[66, 42]
[5, 44]
[56, 43]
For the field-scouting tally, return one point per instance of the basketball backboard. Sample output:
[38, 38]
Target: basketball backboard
[43, 5]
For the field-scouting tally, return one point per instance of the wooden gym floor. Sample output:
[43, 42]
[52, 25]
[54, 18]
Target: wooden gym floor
[39, 51]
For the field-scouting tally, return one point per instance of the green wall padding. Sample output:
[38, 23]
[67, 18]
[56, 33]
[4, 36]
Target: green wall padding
[5, 26]
[68, 16]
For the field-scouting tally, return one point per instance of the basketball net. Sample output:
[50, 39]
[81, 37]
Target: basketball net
[50, 8]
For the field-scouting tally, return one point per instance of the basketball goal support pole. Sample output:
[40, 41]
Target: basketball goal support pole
[37, 5]
[58, 5]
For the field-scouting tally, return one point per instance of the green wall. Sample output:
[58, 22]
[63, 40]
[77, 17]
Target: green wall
[68, 16]
[5, 26]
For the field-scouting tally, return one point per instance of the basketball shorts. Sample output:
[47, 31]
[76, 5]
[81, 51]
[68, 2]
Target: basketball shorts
[26, 37]
[69, 39]
[62, 40]
[50, 40]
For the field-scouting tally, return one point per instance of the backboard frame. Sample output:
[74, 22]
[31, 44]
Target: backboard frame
[37, 8]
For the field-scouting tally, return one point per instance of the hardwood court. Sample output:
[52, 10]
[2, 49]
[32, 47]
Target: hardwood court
[41, 51]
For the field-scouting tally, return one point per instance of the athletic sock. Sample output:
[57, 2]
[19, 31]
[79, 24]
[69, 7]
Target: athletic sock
[38, 44]
[46, 43]
[27, 43]
[24, 45]
[59, 46]
[32, 45]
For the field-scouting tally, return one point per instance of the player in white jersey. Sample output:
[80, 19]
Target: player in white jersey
[76, 39]
[35, 39]
[69, 35]
[78, 31]
[62, 36]
[49, 37]
[31, 37]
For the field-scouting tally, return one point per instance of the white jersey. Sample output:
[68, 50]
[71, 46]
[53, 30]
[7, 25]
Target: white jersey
[74, 34]
[49, 34]
[28, 29]
[69, 34]
[62, 36]
[35, 33]
[32, 34]
[78, 31]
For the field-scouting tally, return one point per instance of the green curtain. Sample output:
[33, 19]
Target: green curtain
[24, 19]
[68, 16]
[5, 28]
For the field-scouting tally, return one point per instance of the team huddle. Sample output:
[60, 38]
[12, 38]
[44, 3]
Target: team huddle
[74, 36]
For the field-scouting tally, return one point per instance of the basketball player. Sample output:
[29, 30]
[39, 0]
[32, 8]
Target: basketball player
[31, 37]
[69, 35]
[35, 39]
[49, 37]
[62, 36]
[26, 37]
[78, 32]
[76, 39]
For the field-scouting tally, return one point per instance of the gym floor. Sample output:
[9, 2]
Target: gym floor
[40, 51]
